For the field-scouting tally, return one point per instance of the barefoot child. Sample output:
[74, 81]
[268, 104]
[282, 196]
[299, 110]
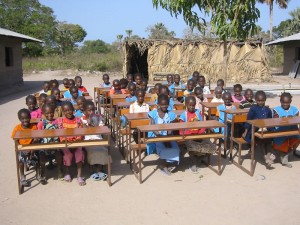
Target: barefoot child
[31, 103]
[168, 152]
[96, 155]
[70, 121]
[25, 157]
[199, 148]
[238, 97]
[285, 145]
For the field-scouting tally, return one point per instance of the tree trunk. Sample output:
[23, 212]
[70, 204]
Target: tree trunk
[271, 20]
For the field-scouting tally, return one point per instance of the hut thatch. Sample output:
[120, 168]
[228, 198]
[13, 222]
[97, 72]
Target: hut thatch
[245, 61]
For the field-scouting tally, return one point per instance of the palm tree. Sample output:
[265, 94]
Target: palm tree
[119, 37]
[294, 26]
[129, 33]
[282, 4]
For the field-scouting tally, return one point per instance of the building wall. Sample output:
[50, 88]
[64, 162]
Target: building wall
[291, 54]
[13, 74]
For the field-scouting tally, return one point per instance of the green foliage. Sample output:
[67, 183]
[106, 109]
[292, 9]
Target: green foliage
[229, 19]
[96, 46]
[160, 31]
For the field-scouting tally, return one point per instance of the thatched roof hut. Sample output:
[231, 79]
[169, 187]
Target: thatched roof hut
[153, 58]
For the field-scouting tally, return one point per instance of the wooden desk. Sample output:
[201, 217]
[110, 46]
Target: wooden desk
[269, 123]
[38, 134]
[87, 97]
[210, 107]
[176, 126]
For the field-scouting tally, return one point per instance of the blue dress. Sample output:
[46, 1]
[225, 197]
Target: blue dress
[67, 94]
[172, 87]
[220, 108]
[171, 104]
[169, 154]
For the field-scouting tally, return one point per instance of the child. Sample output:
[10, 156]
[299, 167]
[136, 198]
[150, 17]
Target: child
[284, 145]
[189, 89]
[24, 156]
[201, 83]
[124, 83]
[154, 95]
[129, 77]
[221, 83]
[131, 97]
[176, 84]
[31, 103]
[195, 148]
[42, 100]
[218, 95]
[70, 121]
[78, 82]
[169, 81]
[237, 97]
[165, 91]
[49, 123]
[68, 94]
[96, 155]
[260, 111]
[248, 102]
[138, 79]
[53, 84]
[198, 92]
[80, 101]
[117, 88]
[167, 151]
[74, 94]
[195, 77]
[56, 93]
[45, 88]
[106, 83]
[66, 84]
[144, 85]
[51, 99]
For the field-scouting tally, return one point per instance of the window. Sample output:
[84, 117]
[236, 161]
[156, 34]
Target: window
[8, 56]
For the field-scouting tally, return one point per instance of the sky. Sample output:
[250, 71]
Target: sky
[105, 19]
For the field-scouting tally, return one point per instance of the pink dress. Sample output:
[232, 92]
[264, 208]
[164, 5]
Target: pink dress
[36, 113]
[236, 100]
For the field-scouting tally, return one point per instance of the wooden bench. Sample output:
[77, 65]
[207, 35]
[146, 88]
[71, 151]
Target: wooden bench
[38, 134]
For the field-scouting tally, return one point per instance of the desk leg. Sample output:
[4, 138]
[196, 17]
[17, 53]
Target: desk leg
[219, 158]
[231, 137]
[140, 158]
[18, 168]
[225, 135]
[252, 150]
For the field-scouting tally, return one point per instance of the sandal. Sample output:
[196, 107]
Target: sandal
[81, 181]
[102, 176]
[67, 178]
[171, 168]
[24, 182]
[95, 177]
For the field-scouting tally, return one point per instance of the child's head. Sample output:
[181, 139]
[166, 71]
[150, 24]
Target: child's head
[190, 103]
[170, 79]
[71, 82]
[48, 111]
[176, 78]
[124, 83]
[144, 84]
[156, 88]
[24, 117]
[227, 98]
[201, 81]
[129, 77]
[132, 89]
[163, 102]
[53, 84]
[218, 92]
[286, 100]
[190, 85]
[51, 99]
[220, 83]
[195, 76]
[105, 78]
[117, 84]
[42, 99]
[237, 89]
[46, 86]
[198, 91]
[74, 92]
[78, 81]
[56, 93]
[140, 95]
[138, 78]
[260, 98]
[67, 109]
[88, 108]
[249, 95]
[163, 90]
[31, 102]
[80, 102]
[66, 83]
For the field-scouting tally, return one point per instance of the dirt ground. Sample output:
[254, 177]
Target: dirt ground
[269, 197]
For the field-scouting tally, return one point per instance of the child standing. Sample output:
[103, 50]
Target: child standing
[248, 102]
[70, 121]
[96, 155]
[201, 83]
[200, 148]
[31, 103]
[260, 111]
[78, 83]
[106, 83]
[284, 145]
[25, 158]
[168, 151]
[238, 97]
[218, 95]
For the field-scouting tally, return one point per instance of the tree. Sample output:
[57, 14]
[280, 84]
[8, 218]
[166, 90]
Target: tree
[129, 33]
[119, 38]
[282, 4]
[295, 21]
[96, 46]
[190, 34]
[67, 35]
[159, 31]
[31, 18]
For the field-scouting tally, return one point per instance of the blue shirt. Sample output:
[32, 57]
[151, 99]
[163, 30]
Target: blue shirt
[67, 94]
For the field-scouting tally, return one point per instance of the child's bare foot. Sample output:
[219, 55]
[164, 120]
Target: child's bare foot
[81, 181]
[67, 178]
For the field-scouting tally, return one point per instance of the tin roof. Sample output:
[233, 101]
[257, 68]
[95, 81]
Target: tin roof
[25, 38]
[281, 41]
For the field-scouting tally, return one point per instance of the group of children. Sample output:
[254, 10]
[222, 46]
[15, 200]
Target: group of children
[78, 112]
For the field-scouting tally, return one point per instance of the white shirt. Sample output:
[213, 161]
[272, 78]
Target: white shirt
[135, 108]
[217, 100]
